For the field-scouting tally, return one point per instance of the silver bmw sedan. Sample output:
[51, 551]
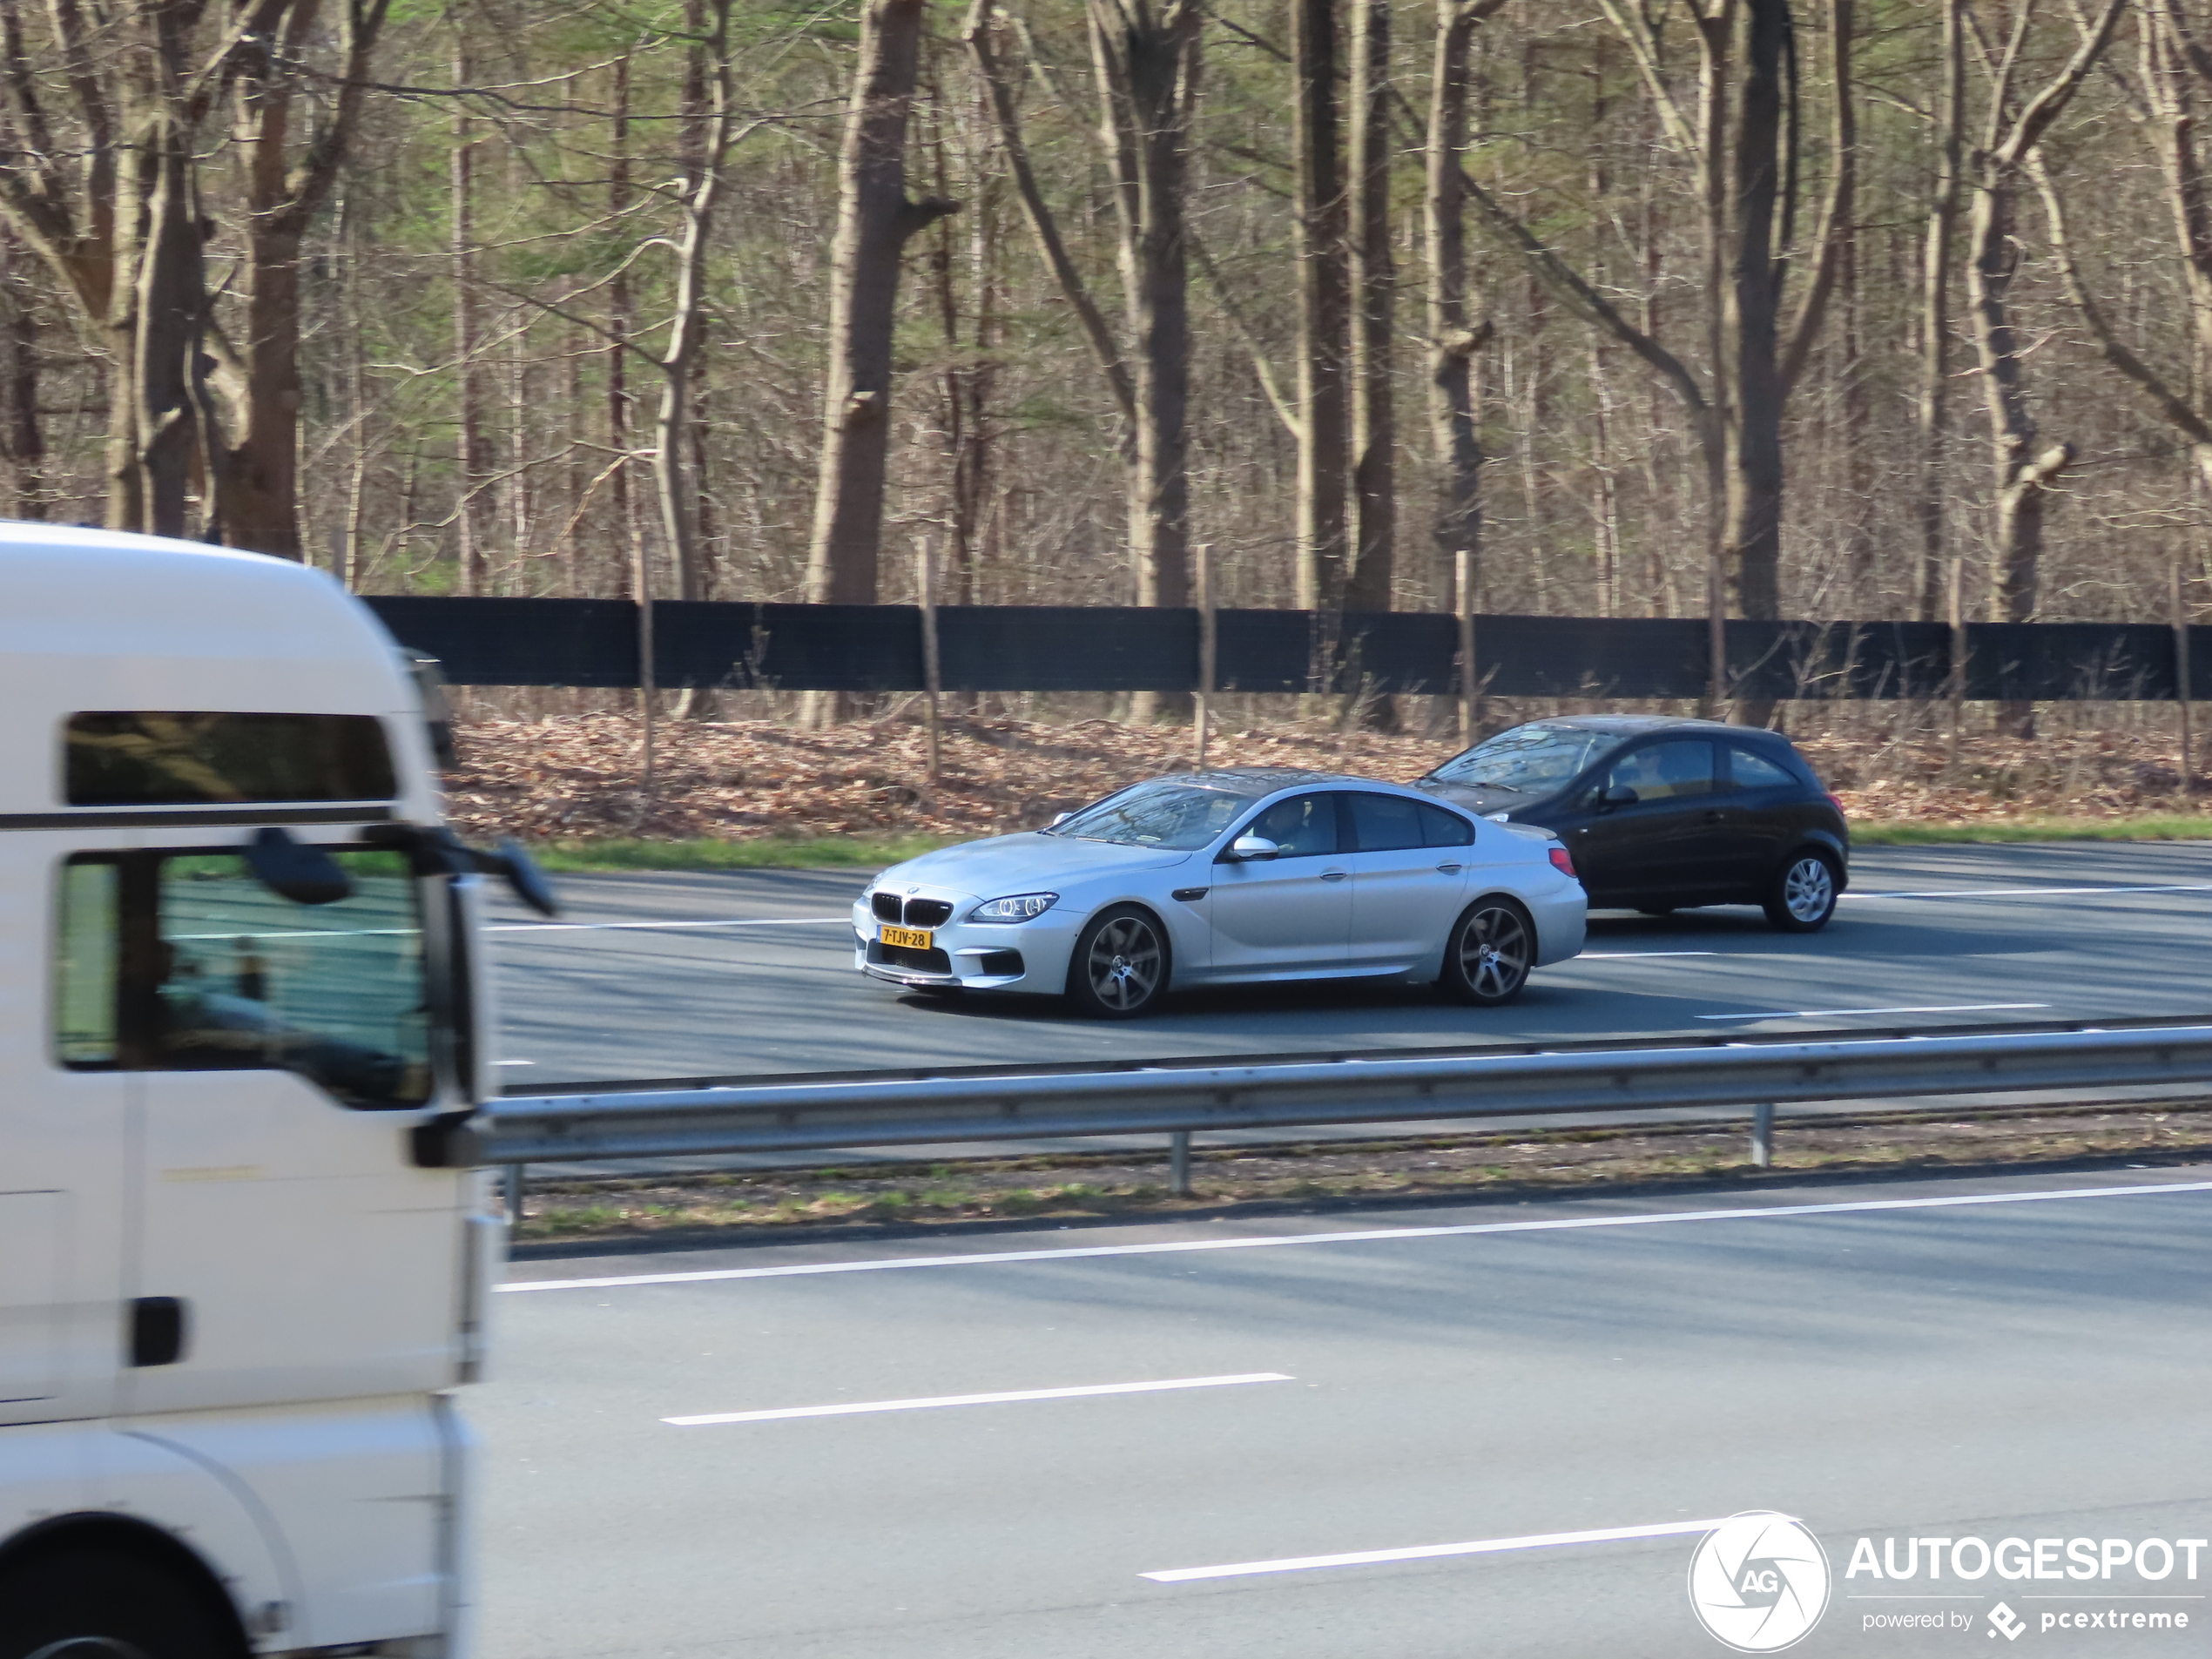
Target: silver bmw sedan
[1242, 874]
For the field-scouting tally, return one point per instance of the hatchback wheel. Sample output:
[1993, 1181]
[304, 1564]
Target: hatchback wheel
[1488, 958]
[1802, 895]
[1121, 964]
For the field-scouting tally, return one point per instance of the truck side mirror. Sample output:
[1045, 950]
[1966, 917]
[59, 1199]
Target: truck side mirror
[295, 870]
[524, 877]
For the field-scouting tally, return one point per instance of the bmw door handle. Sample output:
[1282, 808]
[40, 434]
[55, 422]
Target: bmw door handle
[1334, 875]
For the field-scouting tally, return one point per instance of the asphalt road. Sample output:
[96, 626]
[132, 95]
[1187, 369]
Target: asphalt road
[655, 975]
[1998, 1363]
[673, 976]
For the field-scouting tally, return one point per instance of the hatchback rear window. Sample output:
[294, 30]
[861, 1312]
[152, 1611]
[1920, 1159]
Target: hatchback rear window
[143, 759]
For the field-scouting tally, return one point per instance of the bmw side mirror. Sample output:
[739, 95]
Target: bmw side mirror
[1253, 849]
[1619, 795]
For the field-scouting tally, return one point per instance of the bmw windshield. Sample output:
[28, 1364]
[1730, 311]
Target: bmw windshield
[1174, 817]
[1528, 761]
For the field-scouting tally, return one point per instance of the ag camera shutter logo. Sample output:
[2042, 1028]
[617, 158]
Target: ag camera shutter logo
[1759, 1581]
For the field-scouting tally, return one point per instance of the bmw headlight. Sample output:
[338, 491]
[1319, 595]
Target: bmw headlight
[1020, 906]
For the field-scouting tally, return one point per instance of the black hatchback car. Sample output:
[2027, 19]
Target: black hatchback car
[1660, 815]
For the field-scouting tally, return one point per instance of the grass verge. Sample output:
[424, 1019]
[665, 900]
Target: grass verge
[1071, 1185]
[2152, 828]
[775, 852]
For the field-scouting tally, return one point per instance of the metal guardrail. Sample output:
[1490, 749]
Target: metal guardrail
[1752, 1075]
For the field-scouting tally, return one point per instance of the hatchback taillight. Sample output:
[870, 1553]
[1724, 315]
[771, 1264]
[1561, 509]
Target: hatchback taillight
[1835, 800]
[1562, 860]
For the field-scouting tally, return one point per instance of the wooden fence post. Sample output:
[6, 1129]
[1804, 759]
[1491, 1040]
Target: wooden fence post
[1200, 725]
[925, 590]
[2181, 682]
[1470, 681]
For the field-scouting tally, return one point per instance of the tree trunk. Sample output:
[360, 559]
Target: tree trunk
[260, 471]
[1754, 450]
[1319, 233]
[1933, 412]
[22, 437]
[1453, 341]
[1147, 70]
[471, 451]
[2023, 476]
[1374, 434]
[876, 220]
[171, 314]
[628, 546]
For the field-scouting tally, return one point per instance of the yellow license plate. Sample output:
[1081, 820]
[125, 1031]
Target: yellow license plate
[909, 938]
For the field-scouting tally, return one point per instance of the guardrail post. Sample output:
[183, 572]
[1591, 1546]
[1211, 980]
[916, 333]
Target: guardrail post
[511, 1187]
[1179, 1163]
[1763, 1134]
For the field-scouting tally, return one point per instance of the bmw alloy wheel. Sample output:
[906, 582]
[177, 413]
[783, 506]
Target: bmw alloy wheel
[1492, 950]
[1125, 964]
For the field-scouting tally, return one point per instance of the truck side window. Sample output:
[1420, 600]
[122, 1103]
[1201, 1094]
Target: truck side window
[87, 939]
[244, 979]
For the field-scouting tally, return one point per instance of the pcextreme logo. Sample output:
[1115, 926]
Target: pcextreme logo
[1759, 1581]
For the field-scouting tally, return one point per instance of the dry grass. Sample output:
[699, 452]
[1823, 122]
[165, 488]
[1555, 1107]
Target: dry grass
[1069, 1186]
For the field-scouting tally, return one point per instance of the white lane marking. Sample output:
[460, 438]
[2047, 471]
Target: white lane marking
[1623, 955]
[514, 1063]
[611, 927]
[2033, 892]
[1085, 1392]
[1430, 1552]
[1382, 1235]
[1826, 1013]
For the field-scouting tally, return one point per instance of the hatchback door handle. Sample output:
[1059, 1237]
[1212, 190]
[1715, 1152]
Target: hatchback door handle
[1448, 869]
[1334, 875]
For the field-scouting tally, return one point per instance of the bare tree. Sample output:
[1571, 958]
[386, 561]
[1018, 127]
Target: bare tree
[1147, 61]
[709, 132]
[1374, 425]
[876, 218]
[1454, 335]
[2025, 474]
[1322, 304]
[286, 183]
[1932, 408]
[23, 438]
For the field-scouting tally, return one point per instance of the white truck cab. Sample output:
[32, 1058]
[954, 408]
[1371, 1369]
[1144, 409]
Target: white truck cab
[242, 1261]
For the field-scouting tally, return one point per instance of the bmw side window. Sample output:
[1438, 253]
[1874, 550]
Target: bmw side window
[1669, 771]
[1748, 770]
[1386, 823]
[87, 953]
[1440, 828]
[1303, 826]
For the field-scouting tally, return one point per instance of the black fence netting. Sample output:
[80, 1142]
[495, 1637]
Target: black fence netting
[1068, 648]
